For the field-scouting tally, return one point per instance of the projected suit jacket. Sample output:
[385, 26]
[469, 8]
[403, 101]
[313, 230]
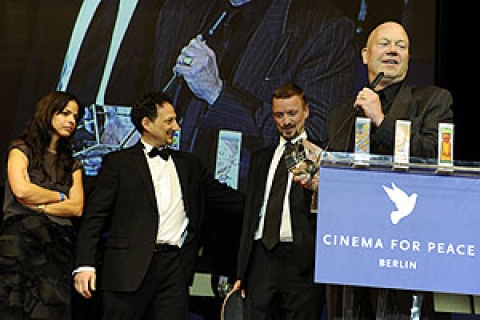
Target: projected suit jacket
[304, 41]
[51, 33]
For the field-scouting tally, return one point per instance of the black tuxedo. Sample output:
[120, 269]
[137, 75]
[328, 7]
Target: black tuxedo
[123, 201]
[300, 253]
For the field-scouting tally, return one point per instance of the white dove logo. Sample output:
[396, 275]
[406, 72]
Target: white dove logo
[404, 203]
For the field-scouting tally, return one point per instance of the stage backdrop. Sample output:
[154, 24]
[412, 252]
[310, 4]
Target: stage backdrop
[35, 35]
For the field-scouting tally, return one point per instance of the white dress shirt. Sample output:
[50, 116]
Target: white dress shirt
[172, 220]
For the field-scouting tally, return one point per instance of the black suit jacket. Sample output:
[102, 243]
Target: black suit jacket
[293, 42]
[302, 219]
[52, 27]
[425, 107]
[123, 202]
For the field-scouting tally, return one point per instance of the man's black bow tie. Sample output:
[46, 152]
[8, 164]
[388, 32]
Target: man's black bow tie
[159, 152]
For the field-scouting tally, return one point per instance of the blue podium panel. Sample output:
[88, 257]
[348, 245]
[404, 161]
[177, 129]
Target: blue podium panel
[399, 230]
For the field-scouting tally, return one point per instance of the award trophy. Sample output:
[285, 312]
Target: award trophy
[303, 160]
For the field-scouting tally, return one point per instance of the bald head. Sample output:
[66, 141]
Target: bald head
[390, 27]
[387, 50]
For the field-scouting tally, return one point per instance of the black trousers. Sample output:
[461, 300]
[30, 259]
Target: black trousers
[163, 294]
[277, 290]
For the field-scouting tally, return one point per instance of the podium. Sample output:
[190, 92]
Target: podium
[413, 230]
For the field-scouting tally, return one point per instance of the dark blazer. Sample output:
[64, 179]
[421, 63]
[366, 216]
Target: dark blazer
[425, 107]
[293, 42]
[303, 220]
[123, 202]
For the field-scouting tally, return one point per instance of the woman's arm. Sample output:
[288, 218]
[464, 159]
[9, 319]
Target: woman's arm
[23, 189]
[42, 199]
[72, 206]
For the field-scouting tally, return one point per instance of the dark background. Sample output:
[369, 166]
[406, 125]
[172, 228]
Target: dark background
[457, 25]
[453, 43]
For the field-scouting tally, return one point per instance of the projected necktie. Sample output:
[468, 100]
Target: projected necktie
[88, 69]
[273, 213]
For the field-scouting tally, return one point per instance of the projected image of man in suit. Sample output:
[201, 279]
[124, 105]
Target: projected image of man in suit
[100, 50]
[226, 79]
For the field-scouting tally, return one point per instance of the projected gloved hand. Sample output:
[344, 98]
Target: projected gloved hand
[197, 64]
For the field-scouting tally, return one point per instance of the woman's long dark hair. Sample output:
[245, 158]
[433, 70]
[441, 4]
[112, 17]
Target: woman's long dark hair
[39, 131]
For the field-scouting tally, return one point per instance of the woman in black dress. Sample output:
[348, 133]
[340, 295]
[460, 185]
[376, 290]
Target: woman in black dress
[43, 195]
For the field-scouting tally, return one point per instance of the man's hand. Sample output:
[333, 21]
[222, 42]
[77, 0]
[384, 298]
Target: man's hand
[197, 64]
[306, 180]
[238, 285]
[85, 283]
[369, 102]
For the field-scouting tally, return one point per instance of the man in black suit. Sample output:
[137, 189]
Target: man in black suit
[152, 208]
[277, 277]
[388, 50]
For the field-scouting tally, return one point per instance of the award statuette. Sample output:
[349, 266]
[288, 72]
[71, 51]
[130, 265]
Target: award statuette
[304, 158]
[445, 147]
[362, 141]
[401, 153]
[304, 162]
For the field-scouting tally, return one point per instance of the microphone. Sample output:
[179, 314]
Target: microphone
[372, 85]
[376, 81]
[204, 35]
[357, 112]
